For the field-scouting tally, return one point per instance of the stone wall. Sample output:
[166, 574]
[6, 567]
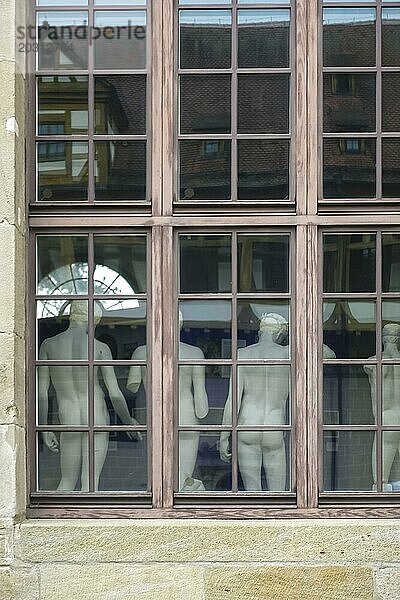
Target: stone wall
[149, 559]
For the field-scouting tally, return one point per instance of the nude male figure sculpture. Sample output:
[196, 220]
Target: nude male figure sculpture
[390, 402]
[71, 385]
[261, 400]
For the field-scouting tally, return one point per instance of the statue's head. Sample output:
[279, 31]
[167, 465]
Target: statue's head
[276, 326]
[391, 333]
[79, 312]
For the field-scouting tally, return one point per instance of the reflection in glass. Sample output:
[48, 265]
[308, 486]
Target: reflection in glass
[205, 329]
[121, 41]
[250, 316]
[53, 405]
[391, 37]
[349, 168]
[120, 264]
[120, 2]
[390, 262]
[205, 103]
[198, 383]
[124, 467]
[390, 461]
[263, 38]
[61, 2]
[262, 2]
[390, 167]
[62, 40]
[62, 171]
[264, 461]
[205, 39]
[200, 466]
[263, 263]
[62, 265]
[120, 170]
[120, 104]
[62, 105]
[63, 461]
[205, 2]
[349, 102]
[349, 263]
[263, 169]
[349, 37]
[205, 169]
[263, 103]
[57, 322]
[205, 263]
[347, 464]
[122, 328]
[391, 317]
[349, 328]
[390, 106]
[391, 387]
[348, 390]
[263, 394]
[132, 382]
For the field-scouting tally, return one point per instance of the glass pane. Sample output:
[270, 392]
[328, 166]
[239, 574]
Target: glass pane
[390, 168]
[263, 169]
[349, 328]
[62, 394]
[263, 38]
[349, 263]
[62, 329]
[62, 171]
[120, 2]
[262, 2]
[349, 37]
[61, 2]
[62, 265]
[205, 2]
[391, 318]
[390, 105]
[263, 263]
[349, 394]
[203, 391]
[391, 263]
[263, 329]
[62, 40]
[121, 327]
[205, 329]
[264, 461]
[391, 37]
[205, 264]
[263, 103]
[349, 102]
[63, 461]
[120, 395]
[390, 461]
[200, 466]
[205, 39]
[62, 105]
[120, 40]
[120, 264]
[349, 168]
[120, 170]
[391, 381]
[120, 104]
[205, 169]
[263, 395]
[121, 461]
[205, 103]
[348, 460]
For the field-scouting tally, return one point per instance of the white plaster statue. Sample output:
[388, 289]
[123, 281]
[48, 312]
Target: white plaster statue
[390, 402]
[71, 388]
[193, 406]
[261, 400]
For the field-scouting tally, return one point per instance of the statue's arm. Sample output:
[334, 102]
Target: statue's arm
[200, 395]
[135, 374]
[116, 396]
[49, 437]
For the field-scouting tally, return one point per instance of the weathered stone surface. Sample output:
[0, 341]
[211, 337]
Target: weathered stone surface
[387, 584]
[19, 584]
[12, 281]
[3, 549]
[12, 381]
[120, 582]
[12, 470]
[323, 541]
[288, 583]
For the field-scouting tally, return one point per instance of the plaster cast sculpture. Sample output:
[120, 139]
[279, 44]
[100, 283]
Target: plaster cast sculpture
[390, 403]
[193, 406]
[71, 384]
[262, 396]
